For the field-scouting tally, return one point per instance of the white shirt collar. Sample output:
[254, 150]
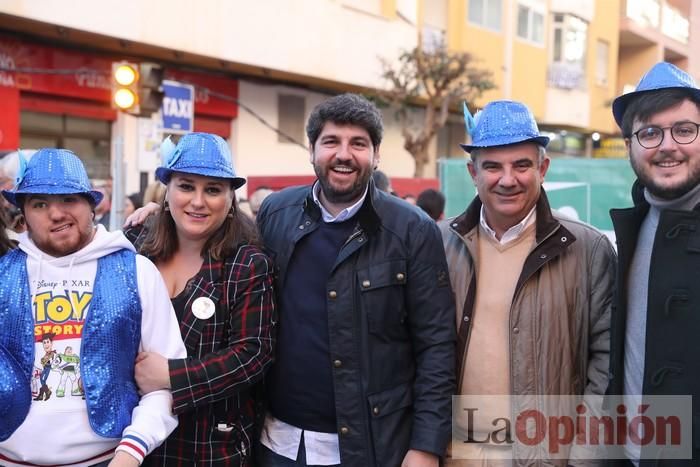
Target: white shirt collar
[343, 215]
[512, 233]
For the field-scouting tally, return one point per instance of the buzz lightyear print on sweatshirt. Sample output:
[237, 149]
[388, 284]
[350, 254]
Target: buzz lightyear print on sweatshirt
[59, 315]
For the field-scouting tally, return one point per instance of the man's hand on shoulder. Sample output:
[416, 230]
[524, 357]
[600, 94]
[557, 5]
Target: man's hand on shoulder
[415, 458]
[122, 459]
[139, 216]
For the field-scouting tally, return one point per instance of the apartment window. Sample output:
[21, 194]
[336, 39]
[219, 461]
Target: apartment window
[602, 56]
[568, 61]
[570, 34]
[290, 110]
[530, 23]
[486, 13]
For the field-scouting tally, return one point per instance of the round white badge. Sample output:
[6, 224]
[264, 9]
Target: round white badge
[203, 308]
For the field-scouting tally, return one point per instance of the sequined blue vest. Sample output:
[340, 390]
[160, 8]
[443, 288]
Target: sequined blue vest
[16, 338]
[110, 339]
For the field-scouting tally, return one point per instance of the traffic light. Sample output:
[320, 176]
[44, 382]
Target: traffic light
[136, 88]
[125, 84]
[150, 91]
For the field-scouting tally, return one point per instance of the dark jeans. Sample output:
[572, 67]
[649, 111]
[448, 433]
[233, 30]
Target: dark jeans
[268, 458]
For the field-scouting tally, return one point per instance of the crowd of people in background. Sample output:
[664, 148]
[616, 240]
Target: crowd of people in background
[339, 324]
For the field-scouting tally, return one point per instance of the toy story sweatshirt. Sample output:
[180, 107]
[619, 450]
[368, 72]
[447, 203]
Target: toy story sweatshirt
[57, 430]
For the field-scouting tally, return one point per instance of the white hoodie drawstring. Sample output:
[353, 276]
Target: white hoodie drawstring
[70, 294]
[34, 289]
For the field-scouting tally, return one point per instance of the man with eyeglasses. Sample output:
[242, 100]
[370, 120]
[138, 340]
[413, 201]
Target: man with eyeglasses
[655, 330]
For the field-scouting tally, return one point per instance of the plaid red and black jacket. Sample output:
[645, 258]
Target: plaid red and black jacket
[228, 354]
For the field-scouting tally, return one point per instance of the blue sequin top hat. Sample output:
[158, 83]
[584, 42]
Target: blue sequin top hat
[663, 75]
[501, 123]
[199, 154]
[15, 396]
[51, 172]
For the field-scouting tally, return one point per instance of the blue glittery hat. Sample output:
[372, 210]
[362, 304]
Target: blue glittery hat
[51, 172]
[663, 75]
[15, 395]
[501, 123]
[200, 154]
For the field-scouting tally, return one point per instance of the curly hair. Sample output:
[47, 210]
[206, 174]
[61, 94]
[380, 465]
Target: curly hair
[346, 109]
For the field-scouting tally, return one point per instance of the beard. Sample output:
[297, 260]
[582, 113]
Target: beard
[340, 195]
[64, 247]
[665, 192]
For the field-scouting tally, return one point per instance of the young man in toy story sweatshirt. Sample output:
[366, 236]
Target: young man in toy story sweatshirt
[78, 414]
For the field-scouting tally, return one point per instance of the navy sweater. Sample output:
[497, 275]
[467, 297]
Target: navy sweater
[300, 389]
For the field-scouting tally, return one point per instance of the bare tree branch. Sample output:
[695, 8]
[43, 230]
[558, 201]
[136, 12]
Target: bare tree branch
[439, 77]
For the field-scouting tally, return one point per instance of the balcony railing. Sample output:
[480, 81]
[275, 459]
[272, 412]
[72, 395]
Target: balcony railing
[646, 13]
[566, 76]
[658, 15]
[675, 25]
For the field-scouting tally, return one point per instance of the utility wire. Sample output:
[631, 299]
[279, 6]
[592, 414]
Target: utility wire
[51, 71]
[243, 106]
[218, 95]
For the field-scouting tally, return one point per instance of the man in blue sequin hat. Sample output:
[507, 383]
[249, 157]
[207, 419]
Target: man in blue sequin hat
[76, 298]
[533, 292]
[655, 325]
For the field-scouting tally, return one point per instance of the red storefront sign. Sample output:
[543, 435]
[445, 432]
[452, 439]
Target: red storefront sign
[89, 80]
[84, 89]
[9, 118]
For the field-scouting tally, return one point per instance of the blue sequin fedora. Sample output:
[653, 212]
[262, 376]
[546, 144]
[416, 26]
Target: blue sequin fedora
[51, 172]
[15, 394]
[200, 154]
[501, 123]
[663, 75]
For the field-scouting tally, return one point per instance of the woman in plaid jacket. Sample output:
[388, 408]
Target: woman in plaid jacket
[220, 284]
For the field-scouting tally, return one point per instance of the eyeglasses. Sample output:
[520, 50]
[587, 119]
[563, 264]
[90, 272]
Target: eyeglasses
[651, 137]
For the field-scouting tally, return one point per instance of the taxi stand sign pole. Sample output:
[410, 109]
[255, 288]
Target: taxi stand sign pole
[125, 80]
[116, 209]
[136, 89]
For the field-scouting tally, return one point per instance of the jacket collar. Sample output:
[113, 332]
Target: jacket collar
[638, 193]
[545, 223]
[367, 216]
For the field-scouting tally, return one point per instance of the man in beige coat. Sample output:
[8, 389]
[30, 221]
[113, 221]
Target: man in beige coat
[533, 292]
